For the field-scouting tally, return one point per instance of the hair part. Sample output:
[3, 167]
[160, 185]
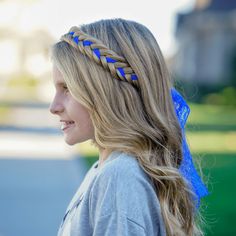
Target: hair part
[136, 118]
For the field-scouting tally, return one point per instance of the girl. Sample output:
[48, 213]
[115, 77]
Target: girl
[113, 87]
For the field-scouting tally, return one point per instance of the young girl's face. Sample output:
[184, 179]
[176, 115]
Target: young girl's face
[75, 120]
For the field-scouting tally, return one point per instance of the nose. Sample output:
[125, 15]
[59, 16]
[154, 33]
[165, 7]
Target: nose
[56, 107]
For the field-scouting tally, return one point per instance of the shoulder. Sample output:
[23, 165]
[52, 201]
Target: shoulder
[122, 169]
[122, 183]
[121, 165]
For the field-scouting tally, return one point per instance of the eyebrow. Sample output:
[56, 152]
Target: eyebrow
[60, 84]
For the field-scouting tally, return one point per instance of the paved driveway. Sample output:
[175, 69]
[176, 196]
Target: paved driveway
[34, 189]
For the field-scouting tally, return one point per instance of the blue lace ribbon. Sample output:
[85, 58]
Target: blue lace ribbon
[187, 168]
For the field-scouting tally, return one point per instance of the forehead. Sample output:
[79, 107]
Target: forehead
[57, 75]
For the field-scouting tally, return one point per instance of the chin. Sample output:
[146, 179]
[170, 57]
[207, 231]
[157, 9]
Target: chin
[72, 142]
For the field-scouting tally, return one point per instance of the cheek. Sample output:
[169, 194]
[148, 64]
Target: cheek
[85, 119]
[84, 123]
[80, 114]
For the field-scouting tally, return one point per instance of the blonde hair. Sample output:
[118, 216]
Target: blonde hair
[133, 116]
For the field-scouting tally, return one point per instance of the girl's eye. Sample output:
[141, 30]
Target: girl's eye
[65, 88]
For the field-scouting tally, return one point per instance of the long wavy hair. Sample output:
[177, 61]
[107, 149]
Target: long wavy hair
[133, 116]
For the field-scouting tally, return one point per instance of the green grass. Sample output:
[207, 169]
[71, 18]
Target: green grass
[212, 141]
[211, 115]
[219, 208]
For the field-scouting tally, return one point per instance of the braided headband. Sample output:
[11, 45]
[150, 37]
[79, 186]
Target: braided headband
[97, 51]
[120, 69]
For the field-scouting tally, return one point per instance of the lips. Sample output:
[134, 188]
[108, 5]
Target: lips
[66, 124]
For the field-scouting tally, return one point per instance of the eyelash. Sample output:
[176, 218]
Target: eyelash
[65, 88]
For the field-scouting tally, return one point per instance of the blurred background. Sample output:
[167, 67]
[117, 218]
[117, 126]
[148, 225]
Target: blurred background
[39, 173]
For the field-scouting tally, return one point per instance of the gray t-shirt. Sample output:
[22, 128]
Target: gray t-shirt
[116, 199]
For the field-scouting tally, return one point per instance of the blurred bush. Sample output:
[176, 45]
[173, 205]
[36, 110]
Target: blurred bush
[215, 95]
[21, 87]
[226, 96]
[4, 113]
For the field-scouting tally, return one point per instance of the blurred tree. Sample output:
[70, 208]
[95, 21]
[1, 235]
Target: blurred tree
[233, 69]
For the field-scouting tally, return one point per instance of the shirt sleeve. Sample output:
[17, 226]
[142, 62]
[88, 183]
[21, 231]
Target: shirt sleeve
[117, 224]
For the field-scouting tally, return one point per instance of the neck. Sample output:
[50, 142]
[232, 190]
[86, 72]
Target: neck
[103, 155]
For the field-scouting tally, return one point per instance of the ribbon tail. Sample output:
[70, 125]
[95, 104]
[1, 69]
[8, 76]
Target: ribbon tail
[187, 168]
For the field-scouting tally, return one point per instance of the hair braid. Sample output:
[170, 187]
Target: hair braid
[101, 54]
